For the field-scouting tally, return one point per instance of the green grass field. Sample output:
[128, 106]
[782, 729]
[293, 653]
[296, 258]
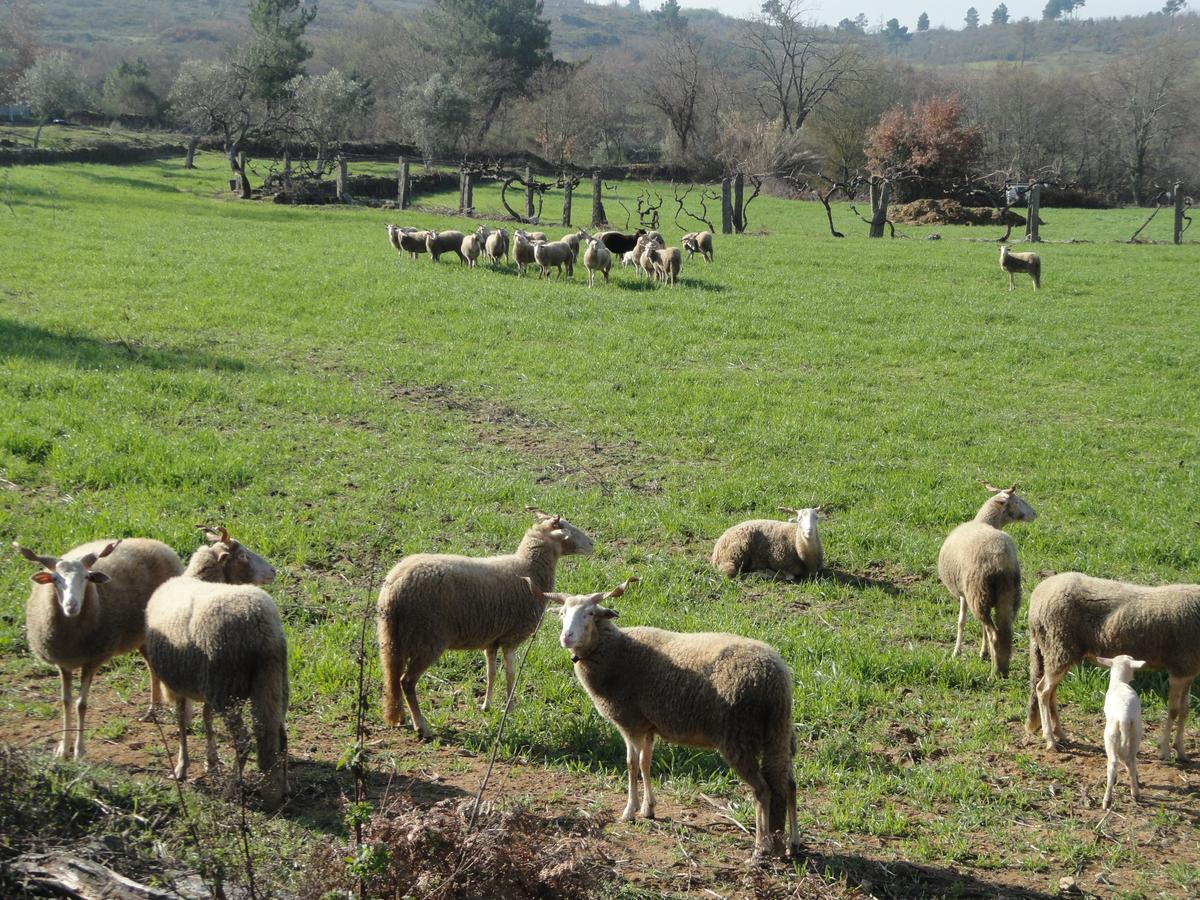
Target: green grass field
[171, 356]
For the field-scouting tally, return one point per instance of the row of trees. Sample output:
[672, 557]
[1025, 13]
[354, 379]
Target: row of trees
[777, 96]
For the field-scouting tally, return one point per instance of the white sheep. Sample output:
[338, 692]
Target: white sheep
[471, 248]
[667, 263]
[645, 258]
[439, 242]
[629, 258]
[1012, 263]
[699, 242]
[89, 606]
[572, 240]
[216, 638]
[522, 252]
[978, 564]
[596, 258]
[791, 550]
[554, 254]
[1074, 616]
[711, 690]
[433, 602]
[1122, 722]
[495, 243]
[407, 240]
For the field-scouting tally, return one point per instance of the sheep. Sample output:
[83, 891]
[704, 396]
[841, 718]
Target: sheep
[536, 236]
[554, 254]
[978, 565]
[89, 606]
[618, 243]
[439, 242]
[433, 602]
[1122, 722]
[629, 259]
[720, 691]
[667, 262]
[791, 550]
[1021, 262]
[522, 252]
[495, 243]
[213, 636]
[572, 240]
[699, 242]
[471, 248]
[394, 232]
[1073, 616]
[596, 258]
[646, 246]
[407, 240]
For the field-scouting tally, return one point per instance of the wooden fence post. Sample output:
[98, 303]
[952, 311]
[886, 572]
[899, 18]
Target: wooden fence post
[343, 180]
[1178, 235]
[567, 188]
[598, 217]
[529, 193]
[726, 207]
[462, 190]
[1031, 223]
[739, 187]
[287, 169]
[468, 193]
[881, 195]
[404, 190]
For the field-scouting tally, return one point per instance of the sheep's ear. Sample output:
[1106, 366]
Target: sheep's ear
[604, 612]
[220, 552]
[109, 549]
[97, 577]
[1137, 663]
[620, 589]
[1104, 661]
[42, 578]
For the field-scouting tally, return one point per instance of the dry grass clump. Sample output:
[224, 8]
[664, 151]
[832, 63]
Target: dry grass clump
[951, 212]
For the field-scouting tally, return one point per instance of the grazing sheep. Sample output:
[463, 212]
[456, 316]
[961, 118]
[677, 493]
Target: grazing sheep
[1021, 262]
[596, 258]
[699, 242]
[1074, 616]
[471, 248]
[214, 637]
[978, 565]
[721, 691]
[554, 254]
[1122, 722]
[522, 252]
[791, 550]
[89, 606]
[439, 242]
[433, 602]
[667, 262]
[618, 243]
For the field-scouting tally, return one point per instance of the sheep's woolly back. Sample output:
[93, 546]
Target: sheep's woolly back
[1073, 616]
[768, 545]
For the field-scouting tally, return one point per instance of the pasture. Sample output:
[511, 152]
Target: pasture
[170, 356]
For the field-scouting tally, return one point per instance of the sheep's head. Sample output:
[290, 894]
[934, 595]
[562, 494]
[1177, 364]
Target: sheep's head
[570, 540]
[70, 577]
[241, 565]
[580, 614]
[1122, 667]
[1013, 507]
[805, 519]
[482, 232]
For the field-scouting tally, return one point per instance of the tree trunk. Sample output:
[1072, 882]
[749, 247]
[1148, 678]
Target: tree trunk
[881, 194]
[726, 207]
[404, 191]
[598, 217]
[567, 188]
[469, 193]
[37, 135]
[1031, 223]
[1178, 234]
[529, 193]
[189, 160]
[343, 180]
[739, 188]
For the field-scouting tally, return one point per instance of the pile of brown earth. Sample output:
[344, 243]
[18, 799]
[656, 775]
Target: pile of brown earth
[951, 212]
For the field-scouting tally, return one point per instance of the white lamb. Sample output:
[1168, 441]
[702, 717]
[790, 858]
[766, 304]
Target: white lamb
[1123, 730]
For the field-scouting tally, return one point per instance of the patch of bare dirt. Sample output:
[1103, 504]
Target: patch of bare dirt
[566, 457]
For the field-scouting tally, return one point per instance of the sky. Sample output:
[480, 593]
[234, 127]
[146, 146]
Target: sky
[947, 13]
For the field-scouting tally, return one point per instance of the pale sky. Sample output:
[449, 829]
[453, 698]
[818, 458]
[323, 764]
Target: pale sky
[948, 13]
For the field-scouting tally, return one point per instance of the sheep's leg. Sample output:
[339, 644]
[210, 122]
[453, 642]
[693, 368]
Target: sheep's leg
[510, 675]
[183, 718]
[1131, 767]
[212, 761]
[746, 765]
[412, 674]
[1178, 694]
[68, 714]
[85, 687]
[1047, 703]
[156, 698]
[241, 740]
[985, 649]
[633, 751]
[489, 654]
[1012, 281]
[648, 803]
[391, 661]
[1112, 779]
[793, 830]
[962, 621]
[1185, 695]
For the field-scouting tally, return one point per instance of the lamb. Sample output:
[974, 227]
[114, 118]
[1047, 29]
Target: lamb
[644, 257]
[554, 254]
[978, 565]
[522, 252]
[618, 243]
[1021, 262]
[1074, 616]
[439, 242]
[213, 636]
[1122, 722]
[89, 606]
[433, 602]
[791, 550]
[699, 242]
[712, 690]
[667, 262]
[596, 258]
[629, 259]
[471, 248]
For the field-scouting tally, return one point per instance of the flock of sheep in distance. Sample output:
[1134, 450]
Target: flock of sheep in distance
[646, 252]
[210, 634]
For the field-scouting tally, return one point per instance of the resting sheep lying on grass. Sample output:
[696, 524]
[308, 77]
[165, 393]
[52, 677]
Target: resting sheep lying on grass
[791, 550]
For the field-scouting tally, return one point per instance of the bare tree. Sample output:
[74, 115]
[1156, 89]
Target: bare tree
[674, 82]
[796, 65]
[214, 98]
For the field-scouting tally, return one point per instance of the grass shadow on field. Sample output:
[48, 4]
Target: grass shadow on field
[905, 879]
[137, 184]
[83, 351]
